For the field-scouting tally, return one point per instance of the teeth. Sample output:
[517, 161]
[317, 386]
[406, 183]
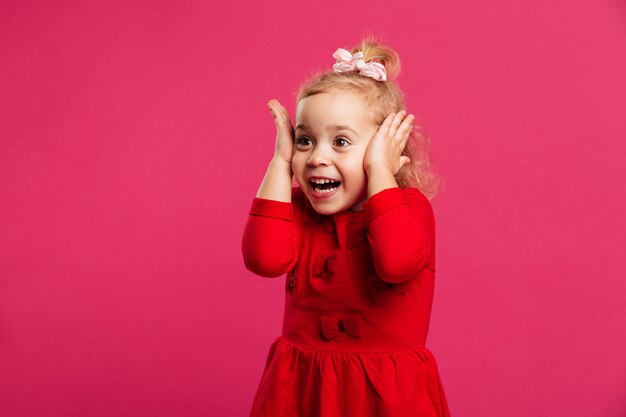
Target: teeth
[323, 181]
[318, 183]
[326, 191]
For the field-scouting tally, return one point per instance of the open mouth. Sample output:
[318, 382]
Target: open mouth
[324, 185]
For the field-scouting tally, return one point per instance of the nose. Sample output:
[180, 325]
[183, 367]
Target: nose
[318, 157]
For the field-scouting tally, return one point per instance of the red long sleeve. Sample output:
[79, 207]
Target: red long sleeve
[401, 233]
[272, 237]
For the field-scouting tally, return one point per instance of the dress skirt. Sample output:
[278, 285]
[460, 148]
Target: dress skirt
[301, 382]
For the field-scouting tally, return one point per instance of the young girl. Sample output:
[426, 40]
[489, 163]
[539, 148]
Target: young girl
[356, 239]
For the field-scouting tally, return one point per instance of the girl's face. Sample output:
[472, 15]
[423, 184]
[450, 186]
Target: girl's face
[332, 133]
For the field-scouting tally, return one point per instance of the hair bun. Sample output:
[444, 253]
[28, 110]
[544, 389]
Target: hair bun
[381, 53]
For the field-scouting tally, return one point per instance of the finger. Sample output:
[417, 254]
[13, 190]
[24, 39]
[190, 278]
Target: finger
[405, 126]
[280, 115]
[384, 127]
[270, 106]
[275, 109]
[405, 129]
[404, 160]
[396, 123]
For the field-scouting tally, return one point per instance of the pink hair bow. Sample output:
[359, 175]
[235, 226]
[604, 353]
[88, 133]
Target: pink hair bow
[346, 61]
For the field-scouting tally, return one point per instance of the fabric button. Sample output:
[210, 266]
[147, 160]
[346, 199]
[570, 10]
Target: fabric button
[290, 282]
[328, 225]
[331, 264]
[357, 236]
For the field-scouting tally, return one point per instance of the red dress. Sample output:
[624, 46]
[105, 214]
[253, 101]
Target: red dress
[358, 297]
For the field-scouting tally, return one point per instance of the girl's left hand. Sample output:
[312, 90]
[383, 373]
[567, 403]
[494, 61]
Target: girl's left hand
[386, 146]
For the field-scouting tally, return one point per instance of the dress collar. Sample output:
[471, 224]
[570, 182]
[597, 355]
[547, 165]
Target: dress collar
[309, 215]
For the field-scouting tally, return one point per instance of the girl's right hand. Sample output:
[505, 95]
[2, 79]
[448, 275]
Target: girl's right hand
[284, 131]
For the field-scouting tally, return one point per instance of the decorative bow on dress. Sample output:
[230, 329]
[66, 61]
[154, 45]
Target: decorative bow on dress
[324, 267]
[346, 61]
[332, 326]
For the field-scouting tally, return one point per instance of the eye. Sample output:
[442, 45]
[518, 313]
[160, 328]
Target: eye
[344, 140]
[301, 139]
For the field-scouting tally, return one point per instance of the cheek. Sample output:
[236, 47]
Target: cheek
[295, 161]
[298, 164]
[356, 164]
[354, 173]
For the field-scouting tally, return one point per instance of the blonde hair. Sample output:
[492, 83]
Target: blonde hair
[383, 97]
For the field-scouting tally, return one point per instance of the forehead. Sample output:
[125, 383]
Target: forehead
[328, 109]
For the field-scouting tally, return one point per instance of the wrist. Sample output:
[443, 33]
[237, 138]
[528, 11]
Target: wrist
[378, 170]
[276, 184]
[379, 179]
[280, 163]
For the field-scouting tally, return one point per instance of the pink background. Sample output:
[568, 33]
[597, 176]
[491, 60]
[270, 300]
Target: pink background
[133, 137]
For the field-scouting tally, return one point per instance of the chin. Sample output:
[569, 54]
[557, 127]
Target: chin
[330, 209]
[324, 210]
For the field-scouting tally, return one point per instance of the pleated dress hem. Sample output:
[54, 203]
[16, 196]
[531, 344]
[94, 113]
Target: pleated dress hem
[305, 382]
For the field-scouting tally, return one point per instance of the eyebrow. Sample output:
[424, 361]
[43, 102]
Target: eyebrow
[337, 127]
